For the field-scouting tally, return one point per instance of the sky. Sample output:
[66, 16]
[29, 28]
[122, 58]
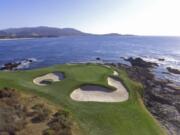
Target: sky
[140, 17]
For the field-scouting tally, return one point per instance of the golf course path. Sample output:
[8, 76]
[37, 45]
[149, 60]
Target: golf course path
[101, 94]
[54, 77]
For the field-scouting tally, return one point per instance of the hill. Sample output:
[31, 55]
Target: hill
[36, 32]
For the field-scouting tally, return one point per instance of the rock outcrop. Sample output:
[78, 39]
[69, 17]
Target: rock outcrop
[161, 97]
[161, 59]
[172, 70]
[138, 62]
[16, 64]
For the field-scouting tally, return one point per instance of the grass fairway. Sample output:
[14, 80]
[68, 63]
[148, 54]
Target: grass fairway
[124, 118]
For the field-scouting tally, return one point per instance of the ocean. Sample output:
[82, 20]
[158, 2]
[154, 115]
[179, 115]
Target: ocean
[74, 49]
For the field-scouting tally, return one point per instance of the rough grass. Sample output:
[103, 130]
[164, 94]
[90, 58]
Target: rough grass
[125, 118]
[20, 113]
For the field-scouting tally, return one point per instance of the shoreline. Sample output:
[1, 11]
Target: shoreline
[159, 96]
[6, 39]
[160, 71]
[78, 75]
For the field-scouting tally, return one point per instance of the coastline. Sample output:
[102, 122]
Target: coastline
[160, 96]
[59, 92]
[6, 39]
[157, 94]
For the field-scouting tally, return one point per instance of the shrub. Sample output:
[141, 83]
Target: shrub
[41, 113]
[60, 123]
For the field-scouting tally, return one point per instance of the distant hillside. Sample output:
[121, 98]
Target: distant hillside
[33, 32]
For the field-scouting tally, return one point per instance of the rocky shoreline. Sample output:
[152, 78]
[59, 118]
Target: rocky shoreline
[161, 97]
[15, 65]
[172, 70]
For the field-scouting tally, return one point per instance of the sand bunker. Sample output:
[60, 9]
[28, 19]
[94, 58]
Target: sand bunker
[115, 73]
[101, 94]
[49, 78]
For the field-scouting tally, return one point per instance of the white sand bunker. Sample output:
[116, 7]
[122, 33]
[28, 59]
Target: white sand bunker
[115, 73]
[101, 94]
[49, 78]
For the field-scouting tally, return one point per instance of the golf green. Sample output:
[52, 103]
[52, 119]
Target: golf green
[93, 118]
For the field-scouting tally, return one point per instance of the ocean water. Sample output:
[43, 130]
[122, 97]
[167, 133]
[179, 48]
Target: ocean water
[50, 51]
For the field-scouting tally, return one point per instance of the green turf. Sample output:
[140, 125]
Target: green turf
[125, 118]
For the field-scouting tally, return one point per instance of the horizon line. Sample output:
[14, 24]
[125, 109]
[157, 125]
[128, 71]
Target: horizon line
[123, 34]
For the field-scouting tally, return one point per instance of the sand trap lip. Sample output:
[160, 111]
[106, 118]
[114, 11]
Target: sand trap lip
[101, 94]
[115, 73]
[54, 77]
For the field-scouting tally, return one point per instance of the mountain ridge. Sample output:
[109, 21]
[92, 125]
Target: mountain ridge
[40, 31]
[43, 31]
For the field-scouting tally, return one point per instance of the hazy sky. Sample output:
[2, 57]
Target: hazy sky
[143, 17]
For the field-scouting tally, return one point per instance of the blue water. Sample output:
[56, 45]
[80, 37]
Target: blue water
[50, 51]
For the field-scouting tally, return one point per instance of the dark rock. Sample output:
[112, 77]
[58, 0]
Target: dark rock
[161, 59]
[98, 58]
[30, 60]
[14, 65]
[172, 70]
[10, 66]
[178, 107]
[163, 103]
[173, 86]
[140, 63]
[161, 97]
[165, 73]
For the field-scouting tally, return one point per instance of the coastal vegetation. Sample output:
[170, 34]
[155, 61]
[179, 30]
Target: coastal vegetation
[27, 114]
